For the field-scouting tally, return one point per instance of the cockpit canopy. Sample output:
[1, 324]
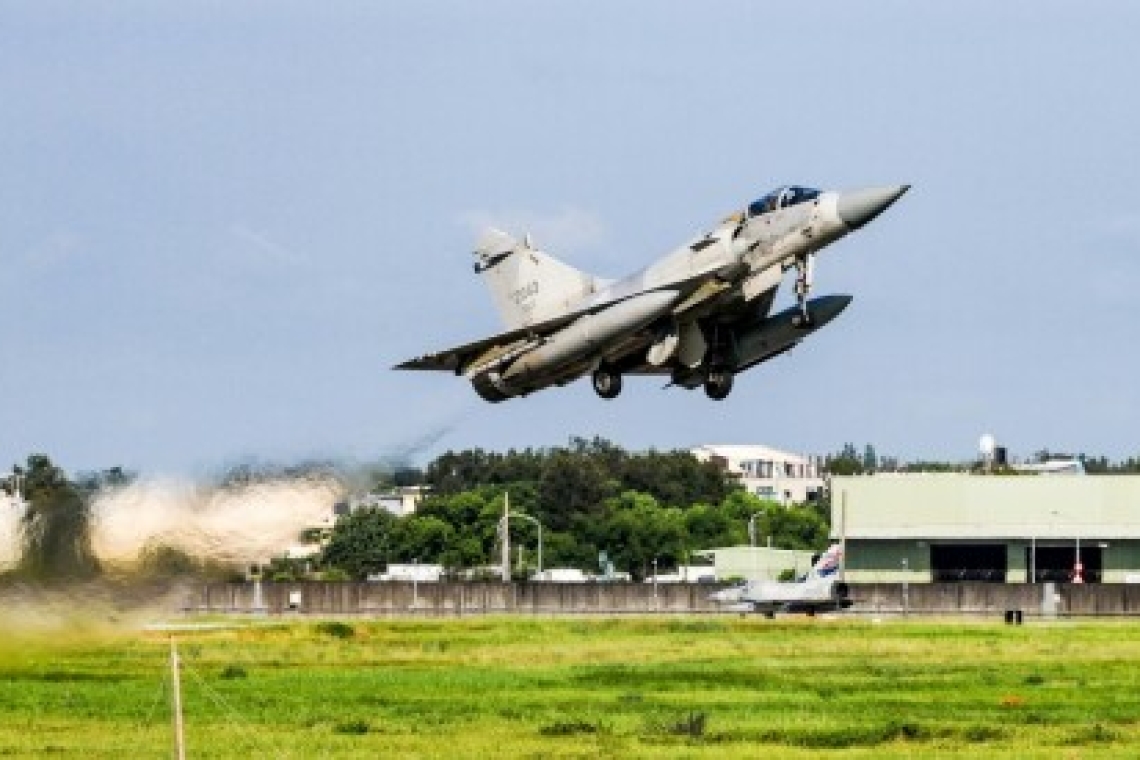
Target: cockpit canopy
[782, 198]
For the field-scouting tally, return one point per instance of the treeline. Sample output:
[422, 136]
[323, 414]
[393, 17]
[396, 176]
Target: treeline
[590, 497]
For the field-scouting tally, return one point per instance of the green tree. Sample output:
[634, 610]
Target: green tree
[55, 527]
[710, 526]
[361, 542]
[638, 530]
[420, 537]
[846, 462]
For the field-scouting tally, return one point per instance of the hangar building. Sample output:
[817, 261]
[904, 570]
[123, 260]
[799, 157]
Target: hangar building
[1002, 529]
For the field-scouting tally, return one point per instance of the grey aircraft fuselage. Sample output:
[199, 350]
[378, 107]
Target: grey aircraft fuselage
[699, 315]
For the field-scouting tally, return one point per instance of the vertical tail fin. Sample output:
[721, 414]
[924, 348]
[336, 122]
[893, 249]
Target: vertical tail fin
[527, 285]
[828, 563]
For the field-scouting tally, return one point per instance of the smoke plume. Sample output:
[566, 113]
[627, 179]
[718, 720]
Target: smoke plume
[231, 525]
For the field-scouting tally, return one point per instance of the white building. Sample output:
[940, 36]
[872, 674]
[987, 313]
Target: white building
[686, 574]
[420, 573]
[1054, 466]
[766, 472]
[398, 501]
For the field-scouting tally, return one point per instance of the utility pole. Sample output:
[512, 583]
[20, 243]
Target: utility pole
[655, 583]
[505, 526]
[906, 586]
[539, 526]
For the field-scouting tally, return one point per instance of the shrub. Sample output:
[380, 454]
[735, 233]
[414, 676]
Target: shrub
[231, 672]
[336, 629]
[691, 725]
[980, 734]
[1095, 734]
[352, 727]
[568, 728]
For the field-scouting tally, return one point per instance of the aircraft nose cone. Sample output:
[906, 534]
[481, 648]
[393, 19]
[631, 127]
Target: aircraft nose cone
[858, 207]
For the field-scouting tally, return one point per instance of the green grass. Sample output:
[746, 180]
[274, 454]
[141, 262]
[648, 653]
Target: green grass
[522, 687]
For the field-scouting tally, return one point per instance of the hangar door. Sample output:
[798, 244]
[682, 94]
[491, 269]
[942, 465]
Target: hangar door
[968, 562]
[1058, 563]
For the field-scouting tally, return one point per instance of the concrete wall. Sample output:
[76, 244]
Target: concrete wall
[451, 598]
[995, 598]
[455, 599]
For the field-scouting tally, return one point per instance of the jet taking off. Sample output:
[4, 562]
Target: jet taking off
[699, 316]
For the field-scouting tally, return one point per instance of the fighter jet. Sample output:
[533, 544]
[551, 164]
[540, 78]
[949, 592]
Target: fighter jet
[699, 316]
[818, 591]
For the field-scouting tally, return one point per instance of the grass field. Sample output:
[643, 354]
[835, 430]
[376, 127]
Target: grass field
[521, 687]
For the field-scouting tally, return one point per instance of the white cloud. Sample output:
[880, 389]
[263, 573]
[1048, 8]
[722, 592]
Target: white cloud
[568, 229]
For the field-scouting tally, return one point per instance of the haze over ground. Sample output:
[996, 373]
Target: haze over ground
[221, 224]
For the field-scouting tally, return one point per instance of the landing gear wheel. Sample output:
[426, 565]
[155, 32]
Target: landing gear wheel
[607, 383]
[718, 384]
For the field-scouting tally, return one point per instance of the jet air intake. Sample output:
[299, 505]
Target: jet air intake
[588, 334]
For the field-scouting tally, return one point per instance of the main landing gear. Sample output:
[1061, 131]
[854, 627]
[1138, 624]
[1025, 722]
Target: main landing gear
[607, 383]
[717, 382]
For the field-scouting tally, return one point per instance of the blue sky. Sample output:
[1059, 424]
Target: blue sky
[222, 223]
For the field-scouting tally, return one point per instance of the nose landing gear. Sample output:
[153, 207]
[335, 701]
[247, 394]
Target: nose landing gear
[718, 384]
[805, 272]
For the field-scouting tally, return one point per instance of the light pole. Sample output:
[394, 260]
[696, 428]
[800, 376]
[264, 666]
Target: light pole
[905, 586]
[1053, 515]
[1078, 568]
[1033, 558]
[752, 528]
[539, 525]
[506, 538]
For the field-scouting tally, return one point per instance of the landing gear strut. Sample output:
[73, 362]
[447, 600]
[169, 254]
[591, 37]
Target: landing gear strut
[607, 383]
[718, 384]
[805, 272]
